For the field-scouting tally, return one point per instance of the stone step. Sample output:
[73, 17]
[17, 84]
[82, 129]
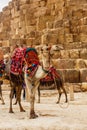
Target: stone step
[69, 63]
[73, 75]
[80, 53]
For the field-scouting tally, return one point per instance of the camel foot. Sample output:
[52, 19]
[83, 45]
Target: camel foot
[57, 102]
[33, 116]
[3, 103]
[38, 101]
[15, 103]
[66, 101]
[10, 111]
[22, 110]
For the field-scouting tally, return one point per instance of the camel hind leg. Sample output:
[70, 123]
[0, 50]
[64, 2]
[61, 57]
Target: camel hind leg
[60, 85]
[1, 97]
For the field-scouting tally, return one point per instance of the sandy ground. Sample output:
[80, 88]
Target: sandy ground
[51, 115]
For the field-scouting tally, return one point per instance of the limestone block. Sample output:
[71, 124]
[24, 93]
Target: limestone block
[40, 12]
[5, 43]
[49, 38]
[77, 13]
[83, 21]
[0, 43]
[49, 25]
[69, 38]
[43, 20]
[64, 54]
[58, 23]
[61, 38]
[85, 63]
[84, 86]
[83, 75]
[71, 76]
[80, 63]
[35, 4]
[6, 50]
[30, 28]
[83, 53]
[24, 1]
[51, 1]
[83, 29]
[64, 63]
[13, 12]
[1, 27]
[76, 37]
[74, 54]
[33, 1]
[77, 87]
[83, 37]
[74, 45]
[42, 3]
[17, 14]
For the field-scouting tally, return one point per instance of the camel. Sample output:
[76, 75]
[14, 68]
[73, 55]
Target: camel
[58, 82]
[41, 72]
[16, 82]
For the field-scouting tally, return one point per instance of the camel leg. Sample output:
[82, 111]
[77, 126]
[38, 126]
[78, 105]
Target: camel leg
[38, 94]
[19, 98]
[32, 102]
[11, 96]
[1, 96]
[15, 95]
[59, 91]
[2, 100]
[65, 94]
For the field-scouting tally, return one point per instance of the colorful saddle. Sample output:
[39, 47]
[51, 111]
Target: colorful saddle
[17, 61]
[32, 61]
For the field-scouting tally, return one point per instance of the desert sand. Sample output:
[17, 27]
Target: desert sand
[51, 116]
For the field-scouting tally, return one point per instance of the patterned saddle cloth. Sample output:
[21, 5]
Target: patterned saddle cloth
[32, 61]
[17, 61]
[51, 76]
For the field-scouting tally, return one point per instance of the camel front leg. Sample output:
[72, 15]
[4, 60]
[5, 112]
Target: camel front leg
[1, 96]
[38, 94]
[32, 102]
[19, 90]
[11, 96]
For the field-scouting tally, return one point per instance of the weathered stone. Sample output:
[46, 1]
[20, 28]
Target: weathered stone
[72, 76]
[69, 38]
[49, 22]
[74, 54]
[84, 86]
[64, 63]
[80, 63]
[64, 54]
[83, 75]
[83, 54]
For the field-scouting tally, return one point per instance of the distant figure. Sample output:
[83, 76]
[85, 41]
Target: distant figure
[2, 67]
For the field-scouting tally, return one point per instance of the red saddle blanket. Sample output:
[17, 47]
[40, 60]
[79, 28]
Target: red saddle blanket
[32, 61]
[17, 61]
[51, 76]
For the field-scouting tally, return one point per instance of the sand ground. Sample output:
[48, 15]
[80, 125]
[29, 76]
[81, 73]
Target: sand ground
[52, 116]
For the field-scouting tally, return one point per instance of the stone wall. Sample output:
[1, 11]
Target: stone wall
[60, 22]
